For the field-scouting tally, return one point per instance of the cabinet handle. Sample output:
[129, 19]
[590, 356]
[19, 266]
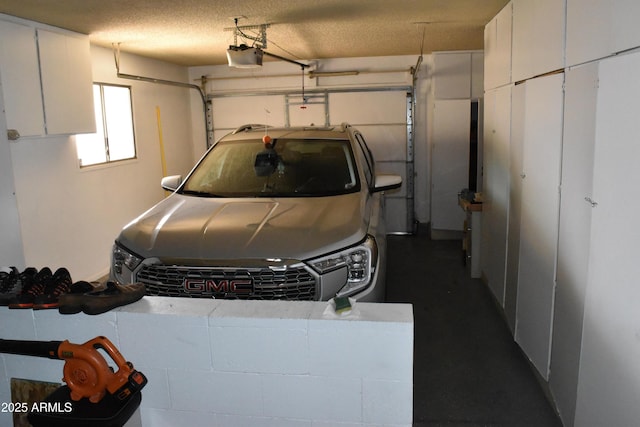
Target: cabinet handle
[590, 201]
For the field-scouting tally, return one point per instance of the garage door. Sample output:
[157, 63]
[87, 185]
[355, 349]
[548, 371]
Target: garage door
[382, 116]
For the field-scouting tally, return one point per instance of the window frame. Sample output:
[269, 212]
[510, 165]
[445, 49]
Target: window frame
[105, 131]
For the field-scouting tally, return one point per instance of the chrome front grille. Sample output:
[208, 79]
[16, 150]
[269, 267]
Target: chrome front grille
[293, 283]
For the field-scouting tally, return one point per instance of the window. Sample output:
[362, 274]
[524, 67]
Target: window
[114, 139]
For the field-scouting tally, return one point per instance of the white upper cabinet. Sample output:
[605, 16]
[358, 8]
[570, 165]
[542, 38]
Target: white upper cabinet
[458, 75]
[46, 80]
[497, 49]
[603, 28]
[452, 75]
[20, 79]
[67, 86]
[538, 37]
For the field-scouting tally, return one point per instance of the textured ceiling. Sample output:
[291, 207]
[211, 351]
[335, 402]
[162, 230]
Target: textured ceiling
[192, 32]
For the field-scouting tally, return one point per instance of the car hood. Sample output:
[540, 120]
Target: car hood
[196, 228]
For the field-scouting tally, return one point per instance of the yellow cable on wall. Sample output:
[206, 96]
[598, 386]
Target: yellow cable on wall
[163, 159]
[162, 156]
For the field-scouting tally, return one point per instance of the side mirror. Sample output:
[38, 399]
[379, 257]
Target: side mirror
[171, 183]
[387, 182]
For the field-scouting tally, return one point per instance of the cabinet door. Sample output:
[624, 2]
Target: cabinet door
[574, 234]
[449, 162]
[497, 47]
[518, 97]
[541, 157]
[20, 78]
[538, 32]
[65, 64]
[495, 208]
[609, 369]
[452, 75]
[600, 28]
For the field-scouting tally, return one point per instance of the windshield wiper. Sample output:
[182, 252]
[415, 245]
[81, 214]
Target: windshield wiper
[199, 193]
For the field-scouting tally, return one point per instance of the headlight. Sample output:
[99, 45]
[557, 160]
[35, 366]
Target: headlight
[123, 263]
[360, 262]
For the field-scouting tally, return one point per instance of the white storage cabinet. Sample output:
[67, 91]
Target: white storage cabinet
[47, 80]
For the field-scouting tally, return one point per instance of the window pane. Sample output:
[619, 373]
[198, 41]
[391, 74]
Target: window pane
[117, 104]
[91, 147]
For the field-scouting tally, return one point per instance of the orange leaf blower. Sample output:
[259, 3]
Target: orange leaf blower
[86, 372]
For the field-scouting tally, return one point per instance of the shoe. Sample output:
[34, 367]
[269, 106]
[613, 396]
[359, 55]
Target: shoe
[12, 282]
[103, 300]
[71, 302]
[32, 287]
[8, 284]
[59, 284]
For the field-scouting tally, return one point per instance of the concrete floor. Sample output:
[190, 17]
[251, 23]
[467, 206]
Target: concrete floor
[468, 371]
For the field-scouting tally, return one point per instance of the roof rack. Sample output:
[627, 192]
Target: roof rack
[317, 127]
[345, 126]
[249, 126]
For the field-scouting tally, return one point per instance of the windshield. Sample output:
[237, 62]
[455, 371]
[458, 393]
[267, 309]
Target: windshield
[289, 168]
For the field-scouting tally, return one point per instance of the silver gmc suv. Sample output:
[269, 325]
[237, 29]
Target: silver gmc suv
[267, 213]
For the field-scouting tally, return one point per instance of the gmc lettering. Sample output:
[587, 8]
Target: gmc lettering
[218, 286]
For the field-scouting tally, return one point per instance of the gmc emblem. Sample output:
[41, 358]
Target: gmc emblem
[224, 286]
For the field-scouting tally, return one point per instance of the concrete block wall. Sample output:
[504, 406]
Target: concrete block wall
[241, 363]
